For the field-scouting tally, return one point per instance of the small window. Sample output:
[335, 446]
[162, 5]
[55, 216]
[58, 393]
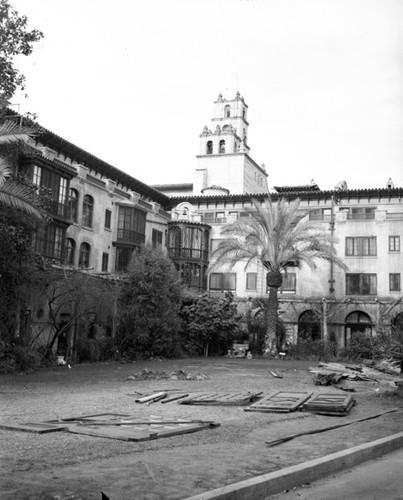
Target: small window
[84, 259]
[88, 209]
[156, 238]
[222, 146]
[70, 251]
[209, 147]
[105, 262]
[394, 282]
[251, 281]
[108, 218]
[37, 176]
[73, 205]
[223, 282]
[227, 111]
[394, 243]
[289, 283]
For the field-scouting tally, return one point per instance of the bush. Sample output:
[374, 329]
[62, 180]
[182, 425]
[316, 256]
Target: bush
[361, 347]
[313, 349]
[18, 358]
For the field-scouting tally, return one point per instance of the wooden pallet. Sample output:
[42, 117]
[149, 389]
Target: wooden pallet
[330, 404]
[220, 398]
[280, 401]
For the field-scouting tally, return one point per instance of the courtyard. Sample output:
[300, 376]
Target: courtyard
[63, 465]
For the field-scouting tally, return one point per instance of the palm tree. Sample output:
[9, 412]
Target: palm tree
[275, 235]
[13, 140]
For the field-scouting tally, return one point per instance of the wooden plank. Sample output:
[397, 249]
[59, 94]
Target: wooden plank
[36, 427]
[280, 401]
[104, 416]
[174, 398]
[237, 398]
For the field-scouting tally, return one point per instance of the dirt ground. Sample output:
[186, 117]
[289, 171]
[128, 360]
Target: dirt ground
[70, 466]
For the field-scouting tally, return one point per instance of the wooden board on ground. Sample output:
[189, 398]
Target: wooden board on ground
[36, 427]
[220, 398]
[280, 401]
[330, 404]
[96, 416]
[129, 429]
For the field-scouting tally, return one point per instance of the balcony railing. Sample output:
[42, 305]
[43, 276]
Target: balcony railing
[129, 236]
[363, 216]
[188, 253]
[60, 209]
[394, 215]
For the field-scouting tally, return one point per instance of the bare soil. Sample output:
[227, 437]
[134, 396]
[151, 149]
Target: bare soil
[69, 466]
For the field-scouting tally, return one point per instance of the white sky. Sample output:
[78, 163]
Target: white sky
[133, 82]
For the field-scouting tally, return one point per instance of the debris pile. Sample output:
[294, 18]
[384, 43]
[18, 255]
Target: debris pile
[176, 375]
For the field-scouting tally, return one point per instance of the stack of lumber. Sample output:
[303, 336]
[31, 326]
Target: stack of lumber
[330, 404]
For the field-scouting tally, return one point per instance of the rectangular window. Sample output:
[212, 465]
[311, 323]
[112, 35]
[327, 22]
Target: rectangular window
[361, 213]
[131, 225]
[108, 218]
[394, 282]
[361, 246]
[289, 282]
[37, 176]
[105, 261]
[394, 243]
[251, 281]
[156, 238]
[123, 257]
[223, 281]
[62, 190]
[361, 284]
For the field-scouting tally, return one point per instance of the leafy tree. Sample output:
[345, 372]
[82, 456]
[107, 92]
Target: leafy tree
[275, 235]
[209, 320]
[148, 306]
[15, 39]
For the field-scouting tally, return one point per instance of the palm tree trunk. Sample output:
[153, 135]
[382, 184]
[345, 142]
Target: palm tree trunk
[271, 324]
[274, 280]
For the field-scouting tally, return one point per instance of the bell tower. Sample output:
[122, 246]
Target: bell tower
[223, 160]
[230, 128]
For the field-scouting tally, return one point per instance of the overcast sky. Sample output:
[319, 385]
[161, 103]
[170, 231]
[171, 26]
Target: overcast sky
[133, 82]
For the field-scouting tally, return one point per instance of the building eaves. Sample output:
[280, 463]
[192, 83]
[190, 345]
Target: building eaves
[168, 187]
[90, 161]
[292, 195]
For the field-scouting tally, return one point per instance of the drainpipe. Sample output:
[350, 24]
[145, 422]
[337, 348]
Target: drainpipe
[332, 230]
[324, 321]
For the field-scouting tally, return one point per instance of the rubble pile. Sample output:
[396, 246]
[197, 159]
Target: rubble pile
[175, 375]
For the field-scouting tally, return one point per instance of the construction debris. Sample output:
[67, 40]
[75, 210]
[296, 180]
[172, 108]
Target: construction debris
[122, 427]
[152, 398]
[280, 402]
[275, 373]
[330, 404]
[176, 375]
[221, 398]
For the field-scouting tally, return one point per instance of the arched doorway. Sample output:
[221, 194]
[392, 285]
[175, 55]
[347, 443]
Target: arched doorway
[309, 326]
[355, 323]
